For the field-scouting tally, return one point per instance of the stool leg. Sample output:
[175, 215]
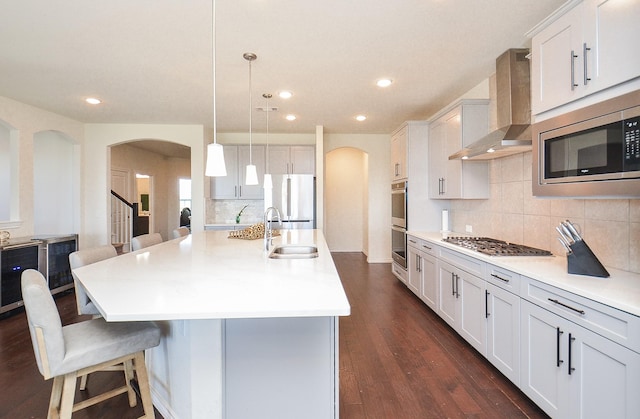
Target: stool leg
[143, 383]
[83, 381]
[68, 393]
[56, 395]
[128, 376]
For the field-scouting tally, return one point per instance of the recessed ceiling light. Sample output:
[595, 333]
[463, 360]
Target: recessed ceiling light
[93, 101]
[291, 117]
[384, 82]
[360, 118]
[285, 94]
[491, 150]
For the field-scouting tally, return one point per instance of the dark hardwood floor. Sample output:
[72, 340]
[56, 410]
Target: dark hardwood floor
[397, 360]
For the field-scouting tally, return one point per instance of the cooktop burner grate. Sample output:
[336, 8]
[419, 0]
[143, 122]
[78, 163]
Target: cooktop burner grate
[494, 247]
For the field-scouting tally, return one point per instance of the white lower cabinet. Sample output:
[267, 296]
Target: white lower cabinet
[572, 372]
[503, 331]
[462, 304]
[422, 271]
[574, 357]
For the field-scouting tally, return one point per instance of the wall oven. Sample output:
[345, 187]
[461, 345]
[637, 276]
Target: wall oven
[399, 223]
[594, 151]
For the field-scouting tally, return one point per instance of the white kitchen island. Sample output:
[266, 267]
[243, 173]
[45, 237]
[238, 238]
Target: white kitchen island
[244, 336]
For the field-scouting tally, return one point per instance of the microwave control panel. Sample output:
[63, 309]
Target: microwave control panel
[632, 144]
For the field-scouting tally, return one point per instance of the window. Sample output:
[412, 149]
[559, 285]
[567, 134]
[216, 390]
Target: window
[185, 193]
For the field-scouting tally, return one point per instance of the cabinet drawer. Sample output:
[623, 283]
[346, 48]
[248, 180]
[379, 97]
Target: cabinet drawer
[466, 263]
[400, 273]
[621, 327]
[504, 279]
[422, 245]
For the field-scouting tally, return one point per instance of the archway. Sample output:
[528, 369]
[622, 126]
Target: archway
[165, 163]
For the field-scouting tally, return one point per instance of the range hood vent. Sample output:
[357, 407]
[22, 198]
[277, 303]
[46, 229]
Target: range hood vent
[513, 103]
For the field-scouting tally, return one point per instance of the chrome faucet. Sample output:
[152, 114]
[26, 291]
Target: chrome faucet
[268, 231]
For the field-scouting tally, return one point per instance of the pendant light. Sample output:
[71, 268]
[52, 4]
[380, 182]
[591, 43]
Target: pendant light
[251, 177]
[215, 153]
[268, 182]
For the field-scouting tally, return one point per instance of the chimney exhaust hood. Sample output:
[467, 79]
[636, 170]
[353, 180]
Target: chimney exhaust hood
[513, 103]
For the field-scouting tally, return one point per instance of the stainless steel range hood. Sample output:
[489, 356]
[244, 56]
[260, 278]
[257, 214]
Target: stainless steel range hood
[513, 103]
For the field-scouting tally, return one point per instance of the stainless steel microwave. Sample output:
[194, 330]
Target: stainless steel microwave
[590, 152]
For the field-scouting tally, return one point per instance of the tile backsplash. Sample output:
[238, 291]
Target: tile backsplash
[611, 227]
[220, 211]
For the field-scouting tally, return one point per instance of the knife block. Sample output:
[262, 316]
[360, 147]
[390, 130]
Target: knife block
[582, 261]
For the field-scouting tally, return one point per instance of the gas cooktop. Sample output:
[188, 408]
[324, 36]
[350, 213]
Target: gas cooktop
[494, 247]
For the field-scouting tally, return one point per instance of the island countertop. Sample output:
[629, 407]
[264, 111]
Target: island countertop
[207, 275]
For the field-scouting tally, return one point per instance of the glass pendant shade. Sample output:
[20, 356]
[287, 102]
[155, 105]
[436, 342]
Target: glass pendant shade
[215, 161]
[268, 182]
[251, 177]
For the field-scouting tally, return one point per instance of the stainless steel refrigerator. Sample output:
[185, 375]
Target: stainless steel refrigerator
[295, 198]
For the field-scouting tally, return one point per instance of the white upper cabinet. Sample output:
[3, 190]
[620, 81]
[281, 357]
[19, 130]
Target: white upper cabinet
[299, 160]
[399, 154]
[233, 186]
[587, 49]
[458, 127]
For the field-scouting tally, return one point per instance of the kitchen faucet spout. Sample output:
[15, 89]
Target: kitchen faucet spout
[268, 231]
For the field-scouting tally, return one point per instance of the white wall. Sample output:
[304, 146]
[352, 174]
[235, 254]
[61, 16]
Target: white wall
[96, 162]
[55, 174]
[5, 173]
[24, 122]
[378, 150]
[346, 184]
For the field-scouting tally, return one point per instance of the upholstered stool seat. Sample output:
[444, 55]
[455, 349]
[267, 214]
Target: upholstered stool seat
[180, 232]
[65, 353]
[145, 240]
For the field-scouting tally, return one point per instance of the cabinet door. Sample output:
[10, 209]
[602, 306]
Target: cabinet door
[279, 159]
[429, 288]
[447, 293]
[437, 159]
[399, 154]
[452, 182]
[472, 326]
[612, 30]
[303, 160]
[605, 377]
[226, 187]
[414, 266]
[503, 331]
[258, 159]
[556, 62]
[543, 357]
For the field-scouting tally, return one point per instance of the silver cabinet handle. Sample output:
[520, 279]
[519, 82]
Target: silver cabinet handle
[426, 247]
[558, 360]
[573, 65]
[585, 48]
[486, 304]
[453, 290]
[570, 369]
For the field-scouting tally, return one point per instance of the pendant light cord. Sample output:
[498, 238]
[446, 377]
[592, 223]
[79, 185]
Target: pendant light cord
[250, 105]
[213, 66]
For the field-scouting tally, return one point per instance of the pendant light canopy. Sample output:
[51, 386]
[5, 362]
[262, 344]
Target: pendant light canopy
[215, 153]
[268, 182]
[251, 177]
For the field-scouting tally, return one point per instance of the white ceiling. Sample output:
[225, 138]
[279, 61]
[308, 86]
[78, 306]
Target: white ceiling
[150, 61]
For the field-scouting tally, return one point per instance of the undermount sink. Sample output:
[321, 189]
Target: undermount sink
[294, 251]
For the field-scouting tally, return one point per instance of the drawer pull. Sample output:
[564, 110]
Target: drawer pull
[426, 247]
[566, 306]
[412, 241]
[501, 279]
